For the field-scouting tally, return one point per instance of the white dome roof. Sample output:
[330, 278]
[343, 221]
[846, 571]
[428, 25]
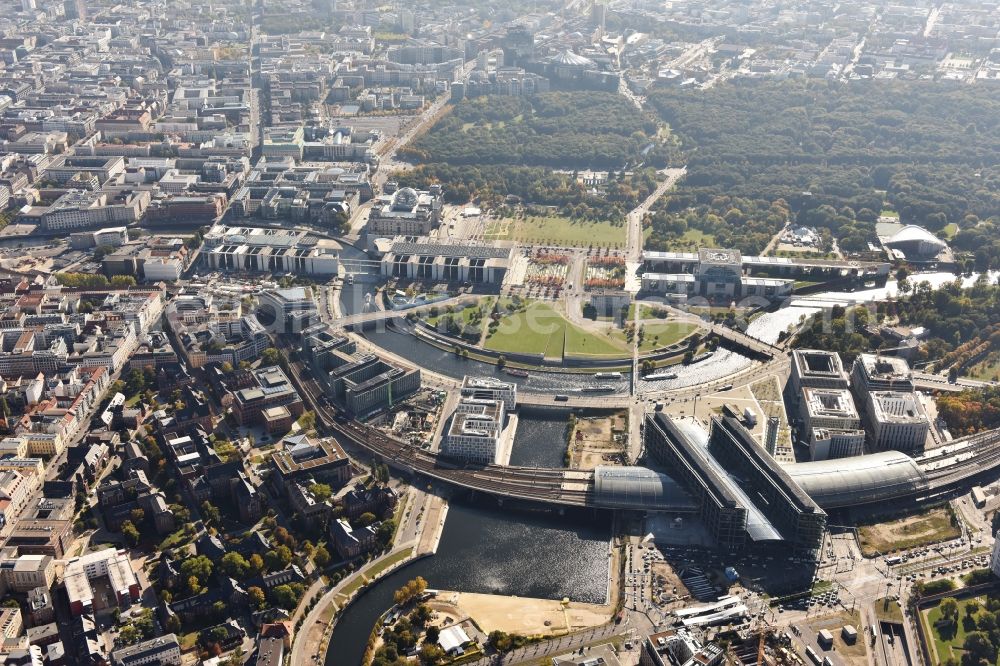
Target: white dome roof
[911, 233]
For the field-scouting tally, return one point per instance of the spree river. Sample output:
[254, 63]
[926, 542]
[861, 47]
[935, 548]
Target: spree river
[485, 549]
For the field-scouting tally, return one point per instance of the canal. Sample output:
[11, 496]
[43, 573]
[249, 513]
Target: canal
[490, 550]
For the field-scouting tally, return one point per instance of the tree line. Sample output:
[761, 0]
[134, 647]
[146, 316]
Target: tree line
[837, 153]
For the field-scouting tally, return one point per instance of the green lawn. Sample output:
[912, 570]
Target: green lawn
[376, 569]
[541, 330]
[558, 230]
[987, 370]
[659, 334]
[582, 342]
[889, 213]
[691, 240]
[948, 637]
[462, 315]
[950, 230]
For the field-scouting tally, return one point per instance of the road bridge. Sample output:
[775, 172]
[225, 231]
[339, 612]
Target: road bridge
[741, 342]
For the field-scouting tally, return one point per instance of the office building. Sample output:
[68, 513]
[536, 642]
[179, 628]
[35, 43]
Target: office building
[474, 433]
[816, 368]
[270, 400]
[828, 408]
[303, 459]
[490, 388]
[827, 443]
[896, 421]
[873, 372]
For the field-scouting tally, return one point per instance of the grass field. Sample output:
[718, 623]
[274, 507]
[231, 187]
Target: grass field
[987, 370]
[950, 230]
[376, 569]
[462, 315]
[948, 637]
[557, 230]
[542, 330]
[692, 239]
[888, 610]
[659, 333]
[909, 532]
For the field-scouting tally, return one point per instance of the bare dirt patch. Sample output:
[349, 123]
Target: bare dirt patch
[922, 529]
[598, 440]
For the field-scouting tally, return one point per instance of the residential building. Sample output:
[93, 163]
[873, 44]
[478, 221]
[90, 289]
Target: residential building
[25, 572]
[113, 569]
[17, 489]
[350, 542]
[11, 622]
[159, 651]
[41, 537]
[995, 555]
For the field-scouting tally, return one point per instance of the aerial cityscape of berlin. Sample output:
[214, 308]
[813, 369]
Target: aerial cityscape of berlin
[499, 332]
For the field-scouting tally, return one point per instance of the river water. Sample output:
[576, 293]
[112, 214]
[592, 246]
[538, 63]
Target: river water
[540, 555]
[485, 549]
[723, 362]
[540, 440]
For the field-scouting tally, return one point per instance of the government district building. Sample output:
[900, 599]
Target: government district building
[709, 273]
[431, 260]
[265, 250]
[727, 274]
[406, 211]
